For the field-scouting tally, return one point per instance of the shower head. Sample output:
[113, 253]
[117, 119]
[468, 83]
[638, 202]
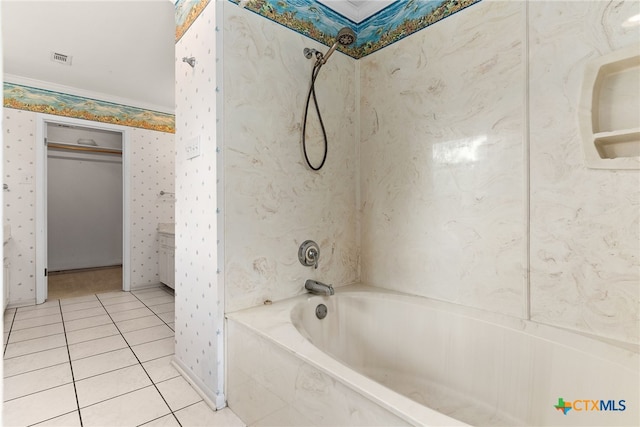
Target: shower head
[345, 37]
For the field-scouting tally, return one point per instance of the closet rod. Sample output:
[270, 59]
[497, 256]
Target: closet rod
[62, 146]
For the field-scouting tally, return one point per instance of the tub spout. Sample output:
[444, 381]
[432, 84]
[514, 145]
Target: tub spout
[318, 288]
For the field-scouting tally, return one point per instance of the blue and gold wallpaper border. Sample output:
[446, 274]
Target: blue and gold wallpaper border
[395, 22]
[315, 20]
[186, 13]
[28, 98]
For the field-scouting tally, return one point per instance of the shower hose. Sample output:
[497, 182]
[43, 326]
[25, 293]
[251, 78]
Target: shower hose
[312, 92]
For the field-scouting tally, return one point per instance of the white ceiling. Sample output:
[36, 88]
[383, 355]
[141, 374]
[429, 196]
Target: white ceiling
[356, 10]
[124, 49]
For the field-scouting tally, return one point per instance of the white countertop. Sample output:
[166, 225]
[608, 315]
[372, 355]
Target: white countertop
[166, 227]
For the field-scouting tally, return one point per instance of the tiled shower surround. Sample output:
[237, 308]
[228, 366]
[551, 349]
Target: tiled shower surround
[455, 167]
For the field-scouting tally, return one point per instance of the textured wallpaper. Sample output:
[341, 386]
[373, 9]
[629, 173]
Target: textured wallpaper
[198, 308]
[152, 172]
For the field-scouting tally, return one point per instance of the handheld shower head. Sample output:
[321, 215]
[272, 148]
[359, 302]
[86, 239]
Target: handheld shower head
[345, 37]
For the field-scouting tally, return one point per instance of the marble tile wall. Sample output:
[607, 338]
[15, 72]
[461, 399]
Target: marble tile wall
[273, 202]
[585, 223]
[152, 171]
[442, 170]
[452, 166]
[198, 309]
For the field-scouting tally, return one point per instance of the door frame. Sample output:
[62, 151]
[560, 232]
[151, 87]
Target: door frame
[41, 197]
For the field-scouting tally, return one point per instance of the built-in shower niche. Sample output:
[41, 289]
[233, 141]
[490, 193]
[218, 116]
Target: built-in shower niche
[610, 110]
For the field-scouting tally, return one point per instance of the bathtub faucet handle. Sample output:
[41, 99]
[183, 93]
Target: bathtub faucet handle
[309, 254]
[313, 256]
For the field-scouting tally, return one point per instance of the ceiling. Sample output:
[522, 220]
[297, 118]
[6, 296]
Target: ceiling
[124, 49]
[356, 10]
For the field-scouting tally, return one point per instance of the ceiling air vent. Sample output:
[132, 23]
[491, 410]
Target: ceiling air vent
[61, 58]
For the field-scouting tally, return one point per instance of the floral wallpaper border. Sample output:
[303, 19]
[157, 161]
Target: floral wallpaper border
[28, 98]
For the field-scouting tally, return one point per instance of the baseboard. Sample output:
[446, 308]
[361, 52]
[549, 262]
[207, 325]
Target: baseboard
[215, 402]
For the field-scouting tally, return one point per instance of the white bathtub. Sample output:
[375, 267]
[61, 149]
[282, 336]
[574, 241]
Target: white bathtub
[383, 358]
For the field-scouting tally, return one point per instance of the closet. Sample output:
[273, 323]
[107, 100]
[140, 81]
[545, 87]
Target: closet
[84, 198]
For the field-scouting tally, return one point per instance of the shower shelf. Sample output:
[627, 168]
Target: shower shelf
[610, 110]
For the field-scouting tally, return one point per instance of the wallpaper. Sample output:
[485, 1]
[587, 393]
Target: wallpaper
[315, 20]
[27, 98]
[152, 159]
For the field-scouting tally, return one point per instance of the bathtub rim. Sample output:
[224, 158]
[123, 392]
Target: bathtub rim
[275, 323]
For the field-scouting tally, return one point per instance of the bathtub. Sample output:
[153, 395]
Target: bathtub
[384, 358]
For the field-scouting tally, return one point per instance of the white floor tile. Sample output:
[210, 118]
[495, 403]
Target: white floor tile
[50, 403]
[111, 384]
[37, 332]
[130, 409]
[68, 308]
[39, 312]
[89, 322]
[71, 419]
[36, 321]
[161, 299]
[178, 393]
[35, 345]
[93, 333]
[201, 415]
[35, 381]
[33, 361]
[153, 333]
[154, 349]
[47, 304]
[124, 306]
[122, 298]
[161, 369]
[101, 363]
[139, 323]
[166, 421]
[109, 295]
[75, 300]
[83, 314]
[168, 317]
[93, 347]
[163, 308]
[144, 296]
[131, 314]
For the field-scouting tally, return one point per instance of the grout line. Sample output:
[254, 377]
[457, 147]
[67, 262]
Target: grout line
[35, 352]
[141, 365]
[38, 391]
[10, 330]
[34, 370]
[61, 415]
[73, 378]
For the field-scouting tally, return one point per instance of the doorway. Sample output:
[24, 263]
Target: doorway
[82, 208]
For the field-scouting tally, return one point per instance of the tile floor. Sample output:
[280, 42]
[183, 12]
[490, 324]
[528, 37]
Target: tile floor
[99, 360]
